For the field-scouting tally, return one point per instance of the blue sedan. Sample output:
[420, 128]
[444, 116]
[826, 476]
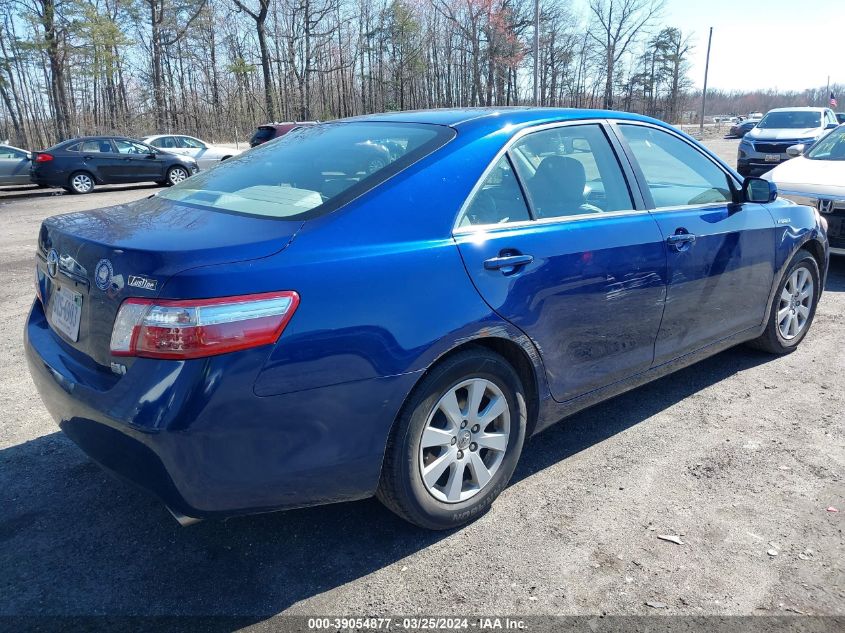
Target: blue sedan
[390, 305]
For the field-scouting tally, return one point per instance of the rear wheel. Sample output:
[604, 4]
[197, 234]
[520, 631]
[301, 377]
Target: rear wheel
[81, 182]
[456, 443]
[793, 307]
[177, 174]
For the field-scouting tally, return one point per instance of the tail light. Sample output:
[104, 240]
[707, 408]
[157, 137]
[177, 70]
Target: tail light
[197, 328]
[43, 158]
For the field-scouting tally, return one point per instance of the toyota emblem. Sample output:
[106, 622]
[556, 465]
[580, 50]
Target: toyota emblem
[52, 262]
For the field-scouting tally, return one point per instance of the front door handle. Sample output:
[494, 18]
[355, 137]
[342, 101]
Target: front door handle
[681, 241]
[507, 261]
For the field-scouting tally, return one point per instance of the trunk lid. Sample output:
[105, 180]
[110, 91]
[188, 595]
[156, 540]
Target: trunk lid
[95, 259]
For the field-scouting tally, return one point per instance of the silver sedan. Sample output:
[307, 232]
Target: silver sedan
[206, 154]
[816, 176]
[14, 165]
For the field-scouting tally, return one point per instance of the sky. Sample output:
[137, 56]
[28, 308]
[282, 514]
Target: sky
[784, 44]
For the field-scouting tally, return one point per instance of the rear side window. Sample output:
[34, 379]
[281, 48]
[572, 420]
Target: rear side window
[101, 146]
[73, 148]
[263, 134]
[163, 142]
[313, 171]
[571, 170]
[676, 173]
[499, 199]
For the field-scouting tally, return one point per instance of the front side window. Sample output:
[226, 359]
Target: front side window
[790, 120]
[831, 147]
[313, 171]
[8, 152]
[102, 146]
[676, 173]
[571, 170]
[499, 199]
[190, 143]
[128, 147]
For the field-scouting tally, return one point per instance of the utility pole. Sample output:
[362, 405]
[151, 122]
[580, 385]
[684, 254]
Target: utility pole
[536, 52]
[704, 92]
[826, 100]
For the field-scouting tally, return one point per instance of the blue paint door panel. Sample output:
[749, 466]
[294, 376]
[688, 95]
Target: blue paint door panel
[720, 283]
[591, 299]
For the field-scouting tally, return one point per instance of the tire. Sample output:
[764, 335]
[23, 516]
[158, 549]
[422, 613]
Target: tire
[794, 300]
[81, 182]
[177, 174]
[442, 502]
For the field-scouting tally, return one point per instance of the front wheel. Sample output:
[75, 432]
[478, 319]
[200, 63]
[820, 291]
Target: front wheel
[793, 307]
[175, 175]
[456, 442]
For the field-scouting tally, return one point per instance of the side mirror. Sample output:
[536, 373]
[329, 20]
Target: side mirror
[795, 150]
[830, 126]
[759, 190]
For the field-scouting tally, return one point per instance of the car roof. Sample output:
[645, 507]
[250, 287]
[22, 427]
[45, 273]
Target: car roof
[163, 135]
[802, 108]
[495, 118]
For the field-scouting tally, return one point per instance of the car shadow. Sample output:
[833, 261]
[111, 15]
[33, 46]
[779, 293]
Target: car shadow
[835, 275]
[75, 541]
[21, 193]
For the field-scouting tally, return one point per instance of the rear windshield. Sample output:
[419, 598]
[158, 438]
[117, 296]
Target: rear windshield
[831, 147]
[794, 120]
[311, 170]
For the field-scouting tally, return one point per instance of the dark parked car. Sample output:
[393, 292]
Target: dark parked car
[291, 328]
[81, 163]
[743, 127]
[270, 131]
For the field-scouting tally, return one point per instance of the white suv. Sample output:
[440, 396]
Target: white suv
[764, 147]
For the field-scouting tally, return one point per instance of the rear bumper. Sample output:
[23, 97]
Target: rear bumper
[195, 434]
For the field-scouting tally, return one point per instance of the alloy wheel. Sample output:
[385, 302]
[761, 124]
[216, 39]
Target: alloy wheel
[82, 183]
[464, 440]
[795, 304]
[177, 175]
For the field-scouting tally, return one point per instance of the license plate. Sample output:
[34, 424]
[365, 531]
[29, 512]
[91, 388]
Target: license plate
[66, 312]
[772, 158]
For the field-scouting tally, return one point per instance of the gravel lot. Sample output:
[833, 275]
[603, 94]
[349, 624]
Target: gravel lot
[740, 456]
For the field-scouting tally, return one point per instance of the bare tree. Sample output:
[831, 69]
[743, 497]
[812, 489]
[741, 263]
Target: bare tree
[260, 17]
[616, 25]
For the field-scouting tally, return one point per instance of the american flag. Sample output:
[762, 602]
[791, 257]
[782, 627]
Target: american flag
[833, 103]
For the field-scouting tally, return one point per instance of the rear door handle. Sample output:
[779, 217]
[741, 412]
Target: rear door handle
[681, 241]
[507, 261]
